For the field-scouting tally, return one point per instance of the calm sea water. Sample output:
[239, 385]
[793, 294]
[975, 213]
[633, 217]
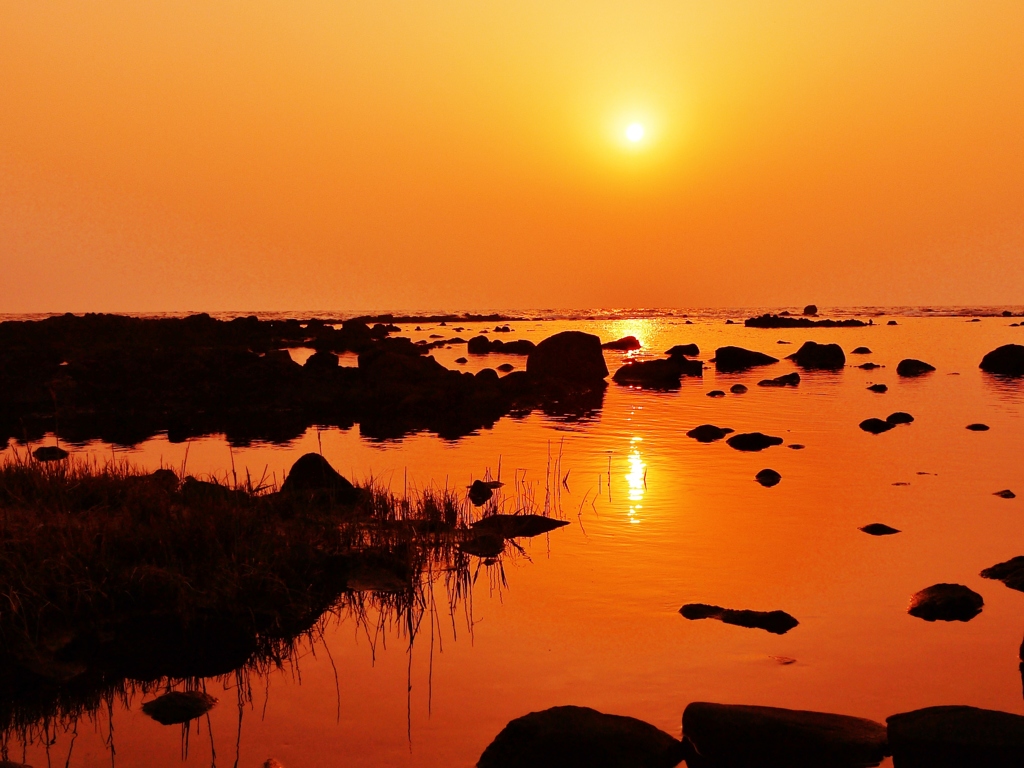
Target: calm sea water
[589, 614]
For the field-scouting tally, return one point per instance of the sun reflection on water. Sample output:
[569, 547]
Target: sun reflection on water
[636, 479]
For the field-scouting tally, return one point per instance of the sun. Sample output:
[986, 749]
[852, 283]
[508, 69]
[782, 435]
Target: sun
[635, 132]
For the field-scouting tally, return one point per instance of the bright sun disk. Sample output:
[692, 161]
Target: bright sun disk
[635, 132]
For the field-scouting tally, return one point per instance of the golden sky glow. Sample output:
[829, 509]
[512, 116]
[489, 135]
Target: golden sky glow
[314, 154]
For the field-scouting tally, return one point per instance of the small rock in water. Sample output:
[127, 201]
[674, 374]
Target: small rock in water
[892, 322]
[178, 707]
[580, 737]
[869, 366]
[736, 736]
[738, 389]
[978, 427]
[716, 393]
[506, 367]
[861, 351]
[1011, 573]
[784, 660]
[769, 478]
[813, 355]
[735, 359]
[796, 446]
[461, 360]
[789, 380]
[753, 441]
[708, 433]
[876, 426]
[480, 492]
[810, 309]
[956, 737]
[900, 417]
[486, 545]
[911, 367]
[879, 529]
[49, 453]
[776, 622]
[683, 350]
[625, 344]
[515, 526]
[880, 388]
[946, 602]
[1006, 493]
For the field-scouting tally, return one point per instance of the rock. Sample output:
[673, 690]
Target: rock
[1005, 494]
[312, 474]
[956, 737]
[272, 763]
[946, 602]
[321, 361]
[737, 736]
[708, 433]
[1007, 360]
[869, 366]
[716, 393]
[788, 380]
[1011, 573]
[910, 367]
[879, 529]
[810, 309]
[735, 359]
[625, 344]
[753, 441]
[49, 453]
[776, 622]
[978, 427]
[580, 737]
[164, 479]
[796, 446]
[480, 492]
[861, 351]
[738, 389]
[461, 360]
[571, 357]
[876, 426]
[516, 526]
[683, 350]
[899, 417]
[506, 367]
[879, 388]
[486, 545]
[660, 374]
[178, 707]
[819, 356]
[783, 320]
[892, 322]
[769, 478]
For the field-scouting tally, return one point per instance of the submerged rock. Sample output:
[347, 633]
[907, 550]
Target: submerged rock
[788, 380]
[49, 453]
[911, 367]
[737, 736]
[1011, 573]
[753, 441]
[978, 427]
[738, 389]
[1007, 360]
[708, 433]
[313, 474]
[861, 351]
[735, 359]
[683, 350]
[625, 344]
[879, 529]
[516, 526]
[956, 737]
[1006, 493]
[879, 388]
[899, 417]
[485, 545]
[776, 622]
[819, 356]
[178, 707]
[716, 393]
[946, 602]
[876, 426]
[580, 737]
[869, 366]
[506, 367]
[570, 356]
[769, 478]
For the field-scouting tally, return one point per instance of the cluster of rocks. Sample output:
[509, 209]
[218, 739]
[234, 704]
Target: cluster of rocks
[785, 321]
[663, 373]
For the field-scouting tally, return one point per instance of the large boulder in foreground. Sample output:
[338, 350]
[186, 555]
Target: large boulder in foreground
[580, 737]
[946, 602]
[735, 359]
[956, 736]
[571, 357]
[813, 355]
[768, 737]
[1007, 360]
[312, 474]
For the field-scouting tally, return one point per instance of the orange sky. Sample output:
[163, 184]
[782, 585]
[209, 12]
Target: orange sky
[290, 154]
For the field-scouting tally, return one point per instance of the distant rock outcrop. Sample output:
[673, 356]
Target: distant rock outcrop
[785, 321]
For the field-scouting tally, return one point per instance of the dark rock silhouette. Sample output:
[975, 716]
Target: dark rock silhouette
[876, 426]
[461, 360]
[869, 366]
[480, 492]
[892, 322]
[738, 389]
[1011, 573]
[879, 388]
[786, 380]
[177, 707]
[861, 351]
[481, 345]
[737, 736]
[580, 737]
[782, 320]
[516, 526]
[776, 622]
[708, 433]
[911, 367]
[486, 545]
[571, 357]
[810, 309]
[49, 453]
[716, 393]
[769, 478]
[625, 344]
[978, 427]
[956, 737]
[1006, 493]
[812, 355]
[946, 602]
[658, 374]
[321, 361]
[879, 529]
[1007, 360]
[684, 350]
[796, 446]
[735, 359]
[506, 367]
[899, 417]
[753, 441]
[313, 474]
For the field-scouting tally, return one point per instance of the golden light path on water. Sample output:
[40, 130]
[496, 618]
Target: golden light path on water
[636, 479]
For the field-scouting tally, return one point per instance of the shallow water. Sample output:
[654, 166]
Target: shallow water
[589, 614]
